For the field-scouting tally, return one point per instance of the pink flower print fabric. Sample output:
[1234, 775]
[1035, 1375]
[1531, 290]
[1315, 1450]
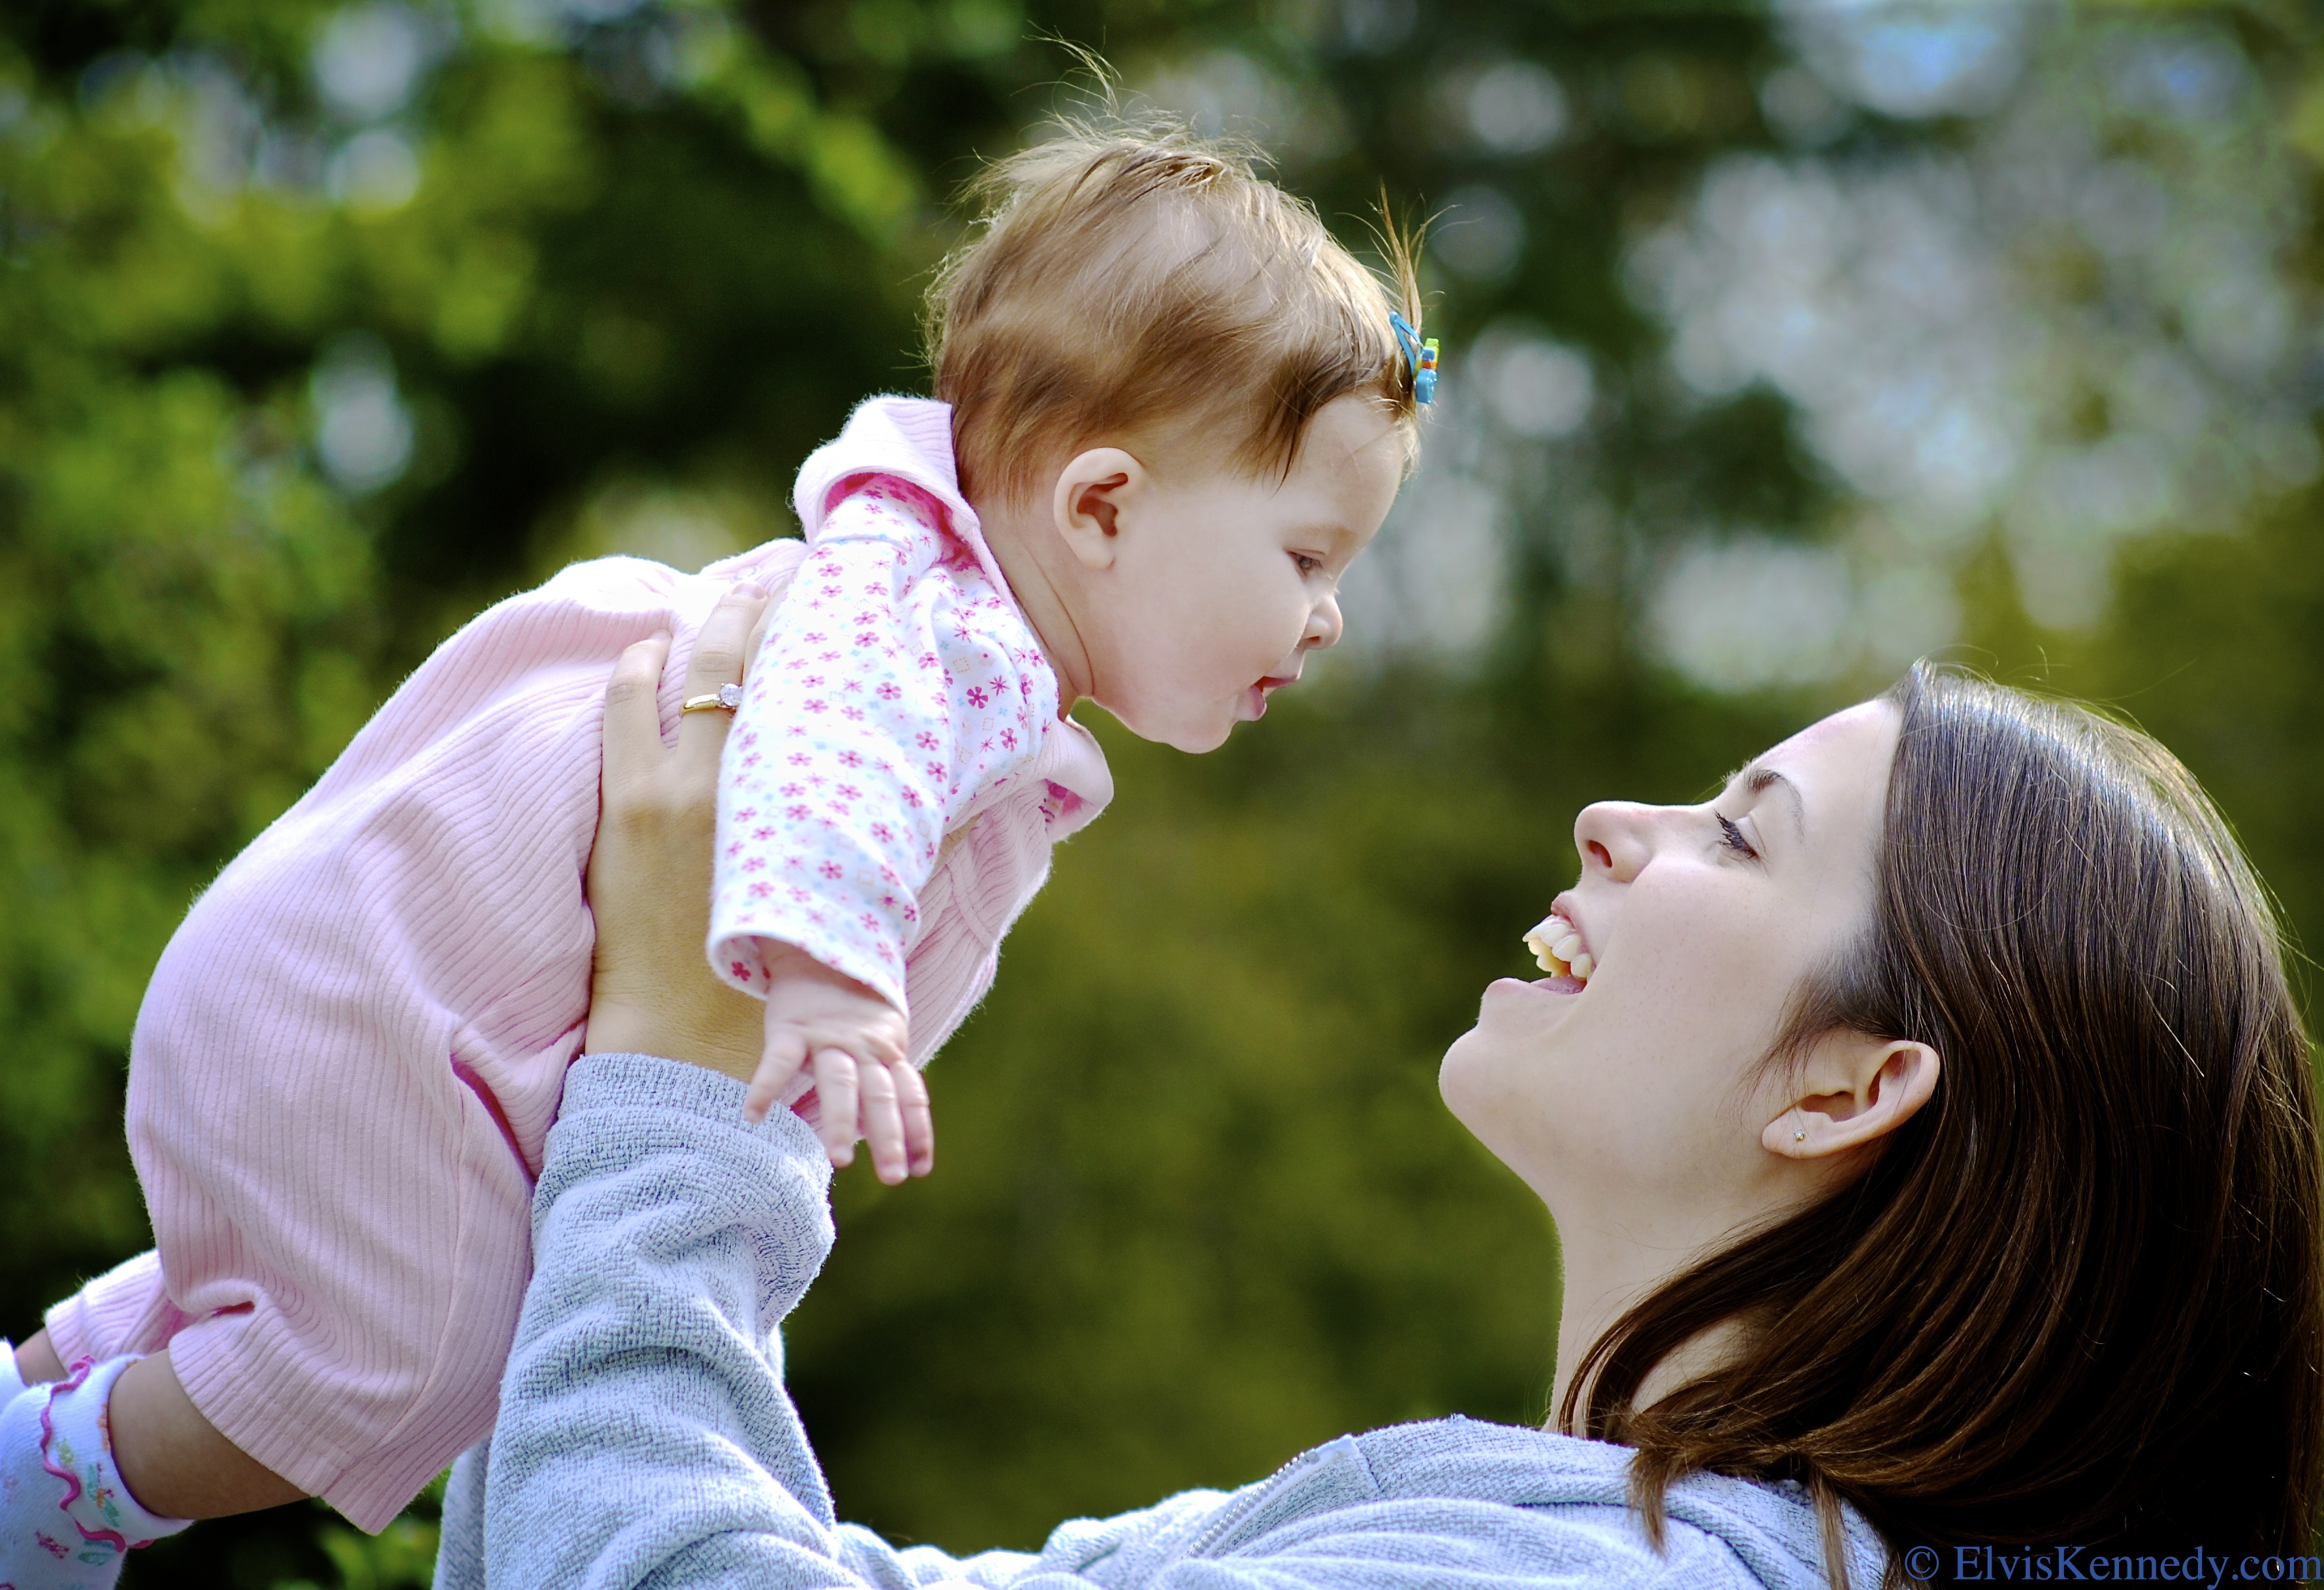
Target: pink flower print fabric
[896, 689]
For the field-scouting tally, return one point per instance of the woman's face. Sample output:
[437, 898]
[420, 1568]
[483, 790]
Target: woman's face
[1640, 1092]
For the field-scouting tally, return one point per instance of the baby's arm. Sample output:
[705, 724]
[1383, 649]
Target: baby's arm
[833, 799]
[647, 876]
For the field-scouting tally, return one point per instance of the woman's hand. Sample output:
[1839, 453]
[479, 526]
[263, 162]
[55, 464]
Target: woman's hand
[652, 992]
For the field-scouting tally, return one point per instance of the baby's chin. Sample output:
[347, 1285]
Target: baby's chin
[1196, 741]
[1194, 735]
[1192, 739]
[1188, 725]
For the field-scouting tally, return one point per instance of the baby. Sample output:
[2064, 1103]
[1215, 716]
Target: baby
[1170, 411]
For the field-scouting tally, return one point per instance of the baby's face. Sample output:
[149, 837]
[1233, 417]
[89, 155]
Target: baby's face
[1224, 584]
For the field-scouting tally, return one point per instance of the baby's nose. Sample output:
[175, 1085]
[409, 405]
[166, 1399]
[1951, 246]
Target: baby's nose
[1325, 625]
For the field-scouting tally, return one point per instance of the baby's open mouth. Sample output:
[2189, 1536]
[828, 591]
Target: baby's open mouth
[1255, 697]
[1557, 945]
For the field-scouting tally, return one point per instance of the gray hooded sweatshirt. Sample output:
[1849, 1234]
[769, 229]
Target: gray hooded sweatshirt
[646, 1436]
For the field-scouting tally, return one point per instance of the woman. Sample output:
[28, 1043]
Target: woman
[1933, 1145]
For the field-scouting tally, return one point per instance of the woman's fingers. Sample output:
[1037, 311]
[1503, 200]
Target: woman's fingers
[758, 635]
[883, 1122]
[719, 655]
[837, 1090]
[633, 721]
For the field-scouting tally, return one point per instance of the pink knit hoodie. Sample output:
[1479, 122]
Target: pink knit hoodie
[353, 1048]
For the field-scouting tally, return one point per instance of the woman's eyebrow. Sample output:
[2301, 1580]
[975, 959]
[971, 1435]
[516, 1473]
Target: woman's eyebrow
[1763, 778]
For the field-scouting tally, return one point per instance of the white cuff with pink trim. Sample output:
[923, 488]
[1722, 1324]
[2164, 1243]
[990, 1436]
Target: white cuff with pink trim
[66, 1520]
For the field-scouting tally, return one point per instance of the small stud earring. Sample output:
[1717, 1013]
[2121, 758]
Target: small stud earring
[1799, 1137]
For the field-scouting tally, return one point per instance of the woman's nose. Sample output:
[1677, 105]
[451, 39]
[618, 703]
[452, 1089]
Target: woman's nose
[1614, 838]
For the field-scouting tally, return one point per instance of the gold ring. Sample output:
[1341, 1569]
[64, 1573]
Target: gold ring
[726, 699]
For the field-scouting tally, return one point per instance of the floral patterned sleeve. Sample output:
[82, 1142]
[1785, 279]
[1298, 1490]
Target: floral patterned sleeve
[894, 688]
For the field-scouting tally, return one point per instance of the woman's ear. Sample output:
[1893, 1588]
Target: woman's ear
[1856, 1089]
[1091, 490]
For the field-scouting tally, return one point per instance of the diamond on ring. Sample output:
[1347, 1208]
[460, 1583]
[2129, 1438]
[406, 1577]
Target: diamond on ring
[727, 698]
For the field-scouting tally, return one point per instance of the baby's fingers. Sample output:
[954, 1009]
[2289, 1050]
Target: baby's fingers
[836, 1093]
[919, 1120]
[778, 1062]
[883, 1123]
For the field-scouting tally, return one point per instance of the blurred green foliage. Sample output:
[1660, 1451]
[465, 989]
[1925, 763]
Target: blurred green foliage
[322, 326]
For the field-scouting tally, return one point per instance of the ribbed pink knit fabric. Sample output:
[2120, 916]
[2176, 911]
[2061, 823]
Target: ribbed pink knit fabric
[352, 1049]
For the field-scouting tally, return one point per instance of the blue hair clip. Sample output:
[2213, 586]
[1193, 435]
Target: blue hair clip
[1421, 355]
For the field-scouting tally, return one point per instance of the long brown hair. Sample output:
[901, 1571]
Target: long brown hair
[2078, 1298]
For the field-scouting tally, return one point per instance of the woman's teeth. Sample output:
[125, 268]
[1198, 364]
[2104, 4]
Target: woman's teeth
[1558, 947]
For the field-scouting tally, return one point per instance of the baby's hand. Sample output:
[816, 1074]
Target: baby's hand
[851, 1041]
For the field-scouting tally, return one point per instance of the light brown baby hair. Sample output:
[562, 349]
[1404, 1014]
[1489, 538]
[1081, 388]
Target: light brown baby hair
[1148, 284]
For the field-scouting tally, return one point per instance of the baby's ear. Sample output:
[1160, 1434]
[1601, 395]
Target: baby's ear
[1093, 490]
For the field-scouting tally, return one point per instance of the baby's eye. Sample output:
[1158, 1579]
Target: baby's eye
[1308, 562]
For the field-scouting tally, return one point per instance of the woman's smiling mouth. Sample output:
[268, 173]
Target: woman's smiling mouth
[1558, 945]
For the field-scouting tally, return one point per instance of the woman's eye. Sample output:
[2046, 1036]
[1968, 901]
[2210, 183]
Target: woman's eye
[1732, 837]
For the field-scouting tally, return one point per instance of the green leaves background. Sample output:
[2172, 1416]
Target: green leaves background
[322, 327]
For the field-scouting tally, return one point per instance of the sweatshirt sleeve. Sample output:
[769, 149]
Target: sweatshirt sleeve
[645, 1435]
[892, 692]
